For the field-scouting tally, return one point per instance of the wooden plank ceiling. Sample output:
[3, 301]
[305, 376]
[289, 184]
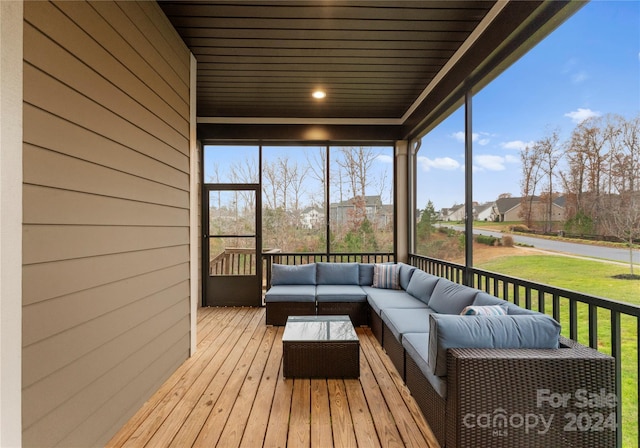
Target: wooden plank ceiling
[392, 70]
[373, 58]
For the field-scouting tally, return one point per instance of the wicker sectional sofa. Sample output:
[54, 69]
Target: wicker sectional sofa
[502, 378]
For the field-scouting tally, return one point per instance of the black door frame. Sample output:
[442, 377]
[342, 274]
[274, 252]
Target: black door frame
[241, 290]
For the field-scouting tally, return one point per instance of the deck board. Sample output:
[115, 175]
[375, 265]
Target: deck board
[231, 393]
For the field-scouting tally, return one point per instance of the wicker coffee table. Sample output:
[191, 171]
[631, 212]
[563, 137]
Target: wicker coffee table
[320, 347]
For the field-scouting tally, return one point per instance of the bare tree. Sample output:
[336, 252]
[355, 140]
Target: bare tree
[629, 170]
[531, 159]
[270, 185]
[623, 220]
[245, 172]
[550, 152]
[357, 163]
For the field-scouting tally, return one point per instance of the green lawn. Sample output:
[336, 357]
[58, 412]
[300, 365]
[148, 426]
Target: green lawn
[593, 278]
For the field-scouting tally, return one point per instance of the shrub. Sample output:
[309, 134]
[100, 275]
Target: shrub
[487, 239]
[507, 241]
[519, 228]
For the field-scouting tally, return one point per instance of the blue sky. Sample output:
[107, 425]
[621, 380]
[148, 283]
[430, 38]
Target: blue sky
[589, 66]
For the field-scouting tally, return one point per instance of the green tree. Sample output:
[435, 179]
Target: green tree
[425, 226]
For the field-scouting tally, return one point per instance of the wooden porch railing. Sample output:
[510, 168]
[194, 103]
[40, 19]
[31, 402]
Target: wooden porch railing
[233, 261]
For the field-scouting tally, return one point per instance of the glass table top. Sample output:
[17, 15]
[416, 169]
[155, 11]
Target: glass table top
[319, 328]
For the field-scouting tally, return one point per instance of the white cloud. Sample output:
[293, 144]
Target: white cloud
[516, 144]
[491, 162]
[579, 77]
[482, 138]
[439, 163]
[579, 115]
[384, 158]
[511, 159]
[458, 136]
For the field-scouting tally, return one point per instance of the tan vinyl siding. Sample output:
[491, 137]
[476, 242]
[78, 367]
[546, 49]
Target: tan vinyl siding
[106, 215]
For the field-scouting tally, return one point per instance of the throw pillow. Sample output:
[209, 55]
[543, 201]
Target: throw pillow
[486, 310]
[386, 276]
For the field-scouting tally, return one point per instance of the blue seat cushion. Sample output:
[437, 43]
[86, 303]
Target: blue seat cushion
[406, 320]
[417, 347]
[380, 299]
[340, 293]
[291, 293]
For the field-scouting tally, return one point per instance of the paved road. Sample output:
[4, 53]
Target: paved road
[583, 250]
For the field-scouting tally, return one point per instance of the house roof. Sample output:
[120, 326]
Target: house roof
[482, 207]
[370, 201]
[389, 68]
[506, 204]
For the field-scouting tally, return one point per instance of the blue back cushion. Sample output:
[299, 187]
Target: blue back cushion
[421, 285]
[337, 274]
[366, 274]
[304, 274]
[446, 331]
[406, 272]
[451, 298]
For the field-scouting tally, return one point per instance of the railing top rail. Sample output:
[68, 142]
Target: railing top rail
[332, 254]
[602, 302]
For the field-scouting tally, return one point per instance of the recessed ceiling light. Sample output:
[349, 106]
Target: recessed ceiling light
[319, 94]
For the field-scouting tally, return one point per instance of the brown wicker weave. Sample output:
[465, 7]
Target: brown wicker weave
[432, 405]
[394, 349]
[357, 311]
[376, 325]
[321, 359]
[277, 312]
[506, 382]
[320, 347]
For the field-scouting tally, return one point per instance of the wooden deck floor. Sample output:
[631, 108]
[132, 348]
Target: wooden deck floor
[231, 393]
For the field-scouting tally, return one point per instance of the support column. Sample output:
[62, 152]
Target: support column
[194, 207]
[468, 188]
[401, 194]
[11, 97]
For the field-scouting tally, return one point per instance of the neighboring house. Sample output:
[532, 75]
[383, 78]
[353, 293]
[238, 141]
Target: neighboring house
[312, 217]
[455, 213]
[378, 213]
[510, 209]
[484, 212]
[443, 213]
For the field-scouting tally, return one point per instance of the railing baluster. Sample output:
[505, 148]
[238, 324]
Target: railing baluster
[573, 319]
[616, 352]
[556, 308]
[593, 327]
